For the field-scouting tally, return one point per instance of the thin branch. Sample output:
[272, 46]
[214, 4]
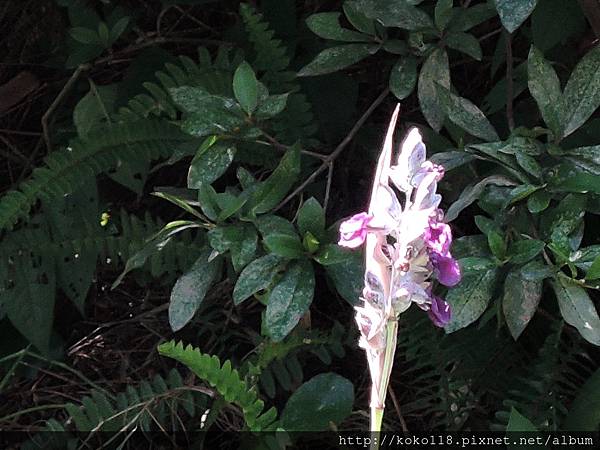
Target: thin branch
[509, 82]
[397, 408]
[67, 87]
[341, 146]
[591, 10]
[328, 186]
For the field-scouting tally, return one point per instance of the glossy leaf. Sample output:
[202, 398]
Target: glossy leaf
[284, 245]
[443, 13]
[465, 43]
[403, 77]
[337, 58]
[347, 277]
[582, 92]
[290, 299]
[470, 298]
[191, 288]
[520, 301]
[245, 87]
[514, 12]
[466, 115]
[525, 250]
[545, 88]
[325, 398]
[472, 193]
[256, 276]
[311, 218]
[400, 14]
[577, 308]
[209, 164]
[239, 239]
[327, 26]
[435, 71]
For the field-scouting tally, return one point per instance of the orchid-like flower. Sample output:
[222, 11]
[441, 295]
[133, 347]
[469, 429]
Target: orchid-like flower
[407, 248]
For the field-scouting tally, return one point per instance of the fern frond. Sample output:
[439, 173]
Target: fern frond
[72, 167]
[141, 406]
[547, 385]
[226, 380]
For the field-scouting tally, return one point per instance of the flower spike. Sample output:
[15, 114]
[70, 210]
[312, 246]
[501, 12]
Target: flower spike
[407, 248]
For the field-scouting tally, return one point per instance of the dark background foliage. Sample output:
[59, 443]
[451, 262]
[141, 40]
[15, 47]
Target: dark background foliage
[176, 170]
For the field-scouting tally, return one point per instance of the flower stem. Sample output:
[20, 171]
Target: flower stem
[378, 404]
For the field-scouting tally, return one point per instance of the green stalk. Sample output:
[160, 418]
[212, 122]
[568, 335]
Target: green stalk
[377, 408]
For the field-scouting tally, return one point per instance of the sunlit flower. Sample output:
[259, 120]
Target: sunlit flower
[353, 231]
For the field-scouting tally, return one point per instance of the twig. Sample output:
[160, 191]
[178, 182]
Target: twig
[341, 146]
[509, 82]
[397, 408]
[67, 87]
[591, 10]
[328, 186]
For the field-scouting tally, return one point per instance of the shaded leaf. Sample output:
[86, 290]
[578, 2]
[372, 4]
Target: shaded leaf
[520, 301]
[582, 92]
[325, 398]
[577, 308]
[514, 12]
[284, 245]
[311, 218]
[337, 58]
[290, 299]
[403, 77]
[466, 115]
[245, 87]
[256, 276]
[209, 164]
[435, 69]
[327, 26]
[465, 43]
[545, 88]
[191, 288]
[398, 14]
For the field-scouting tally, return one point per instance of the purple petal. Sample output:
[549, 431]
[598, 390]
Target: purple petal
[440, 312]
[446, 269]
[438, 237]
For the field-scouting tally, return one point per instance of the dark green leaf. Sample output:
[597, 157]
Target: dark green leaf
[545, 88]
[398, 14]
[567, 177]
[276, 186]
[497, 244]
[332, 254]
[347, 276]
[466, 115]
[514, 12]
[593, 272]
[443, 13]
[472, 16]
[538, 201]
[118, 28]
[474, 245]
[256, 276]
[520, 301]
[153, 245]
[245, 87]
[358, 20]
[519, 423]
[465, 43]
[403, 77]
[290, 299]
[84, 35]
[536, 271]
[271, 106]
[94, 108]
[270, 224]
[452, 159]
[327, 26]
[584, 414]
[311, 217]
[582, 92]
[521, 192]
[523, 251]
[209, 164]
[577, 308]
[472, 193]
[529, 163]
[471, 296]
[435, 69]
[239, 239]
[555, 21]
[191, 288]
[324, 398]
[337, 58]
[284, 245]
